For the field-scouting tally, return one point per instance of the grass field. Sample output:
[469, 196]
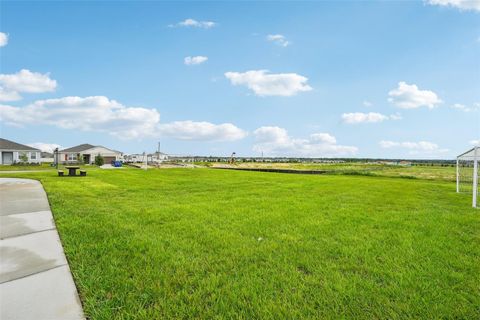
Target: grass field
[27, 167]
[360, 168]
[36, 167]
[220, 244]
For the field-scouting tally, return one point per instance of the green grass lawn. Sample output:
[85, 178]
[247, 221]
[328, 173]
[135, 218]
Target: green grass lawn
[220, 244]
[26, 167]
[37, 167]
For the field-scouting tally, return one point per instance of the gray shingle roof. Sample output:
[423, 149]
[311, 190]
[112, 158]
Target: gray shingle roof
[85, 146]
[10, 145]
[79, 148]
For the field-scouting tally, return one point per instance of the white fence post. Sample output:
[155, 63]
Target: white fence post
[458, 177]
[475, 178]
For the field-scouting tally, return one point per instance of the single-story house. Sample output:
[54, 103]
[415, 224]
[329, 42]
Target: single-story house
[47, 157]
[13, 152]
[86, 153]
[156, 157]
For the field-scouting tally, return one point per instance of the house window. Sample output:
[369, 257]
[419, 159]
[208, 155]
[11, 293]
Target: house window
[33, 155]
[72, 157]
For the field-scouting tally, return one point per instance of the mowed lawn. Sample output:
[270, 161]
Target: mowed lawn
[218, 244]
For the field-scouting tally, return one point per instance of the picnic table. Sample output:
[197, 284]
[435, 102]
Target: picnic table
[72, 170]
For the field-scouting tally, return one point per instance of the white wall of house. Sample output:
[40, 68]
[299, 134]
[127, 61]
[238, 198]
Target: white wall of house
[33, 156]
[140, 158]
[46, 160]
[71, 157]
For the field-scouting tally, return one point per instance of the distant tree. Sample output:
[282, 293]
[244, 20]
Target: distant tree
[99, 160]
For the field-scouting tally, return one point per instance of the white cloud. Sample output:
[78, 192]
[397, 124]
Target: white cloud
[323, 138]
[371, 117]
[275, 141]
[408, 96]
[460, 4]
[3, 39]
[464, 108]
[100, 114]
[396, 116]
[367, 104]
[278, 39]
[194, 60]
[190, 130]
[459, 106]
[359, 117]
[421, 147]
[45, 147]
[192, 23]
[6, 95]
[275, 84]
[24, 81]
[97, 113]
[475, 142]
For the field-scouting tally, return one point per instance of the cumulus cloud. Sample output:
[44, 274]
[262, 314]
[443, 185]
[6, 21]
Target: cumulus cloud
[459, 4]
[24, 81]
[421, 147]
[464, 108]
[45, 147]
[371, 117]
[100, 114]
[264, 84]
[3, 39]
[475, 142]
[7, 95]
[192, 23]
[190, 130]
[194, 60]
[408, 96]
[275, 141]
[96, 113]
[278, 39]
[360, 117]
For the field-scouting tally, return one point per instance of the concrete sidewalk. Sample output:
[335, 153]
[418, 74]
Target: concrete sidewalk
[35, 280]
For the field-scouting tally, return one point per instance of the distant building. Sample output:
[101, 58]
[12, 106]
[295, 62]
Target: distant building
[86, 153]
[46, 157]
[156, 157]
[12, 152]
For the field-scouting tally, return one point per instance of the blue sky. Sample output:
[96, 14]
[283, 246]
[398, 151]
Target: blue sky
[357, 79]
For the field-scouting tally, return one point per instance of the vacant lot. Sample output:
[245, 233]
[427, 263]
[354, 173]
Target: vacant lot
[203, 243]
[430, 172]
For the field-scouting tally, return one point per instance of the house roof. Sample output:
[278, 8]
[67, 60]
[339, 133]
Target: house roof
[79, 148]
[85, 146]
[10, 145]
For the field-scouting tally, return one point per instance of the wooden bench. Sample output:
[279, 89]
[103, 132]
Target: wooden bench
[83, 173]
[60, 173]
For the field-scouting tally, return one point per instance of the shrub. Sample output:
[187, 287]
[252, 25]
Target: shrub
[99, 160]
[23, 158]
[79, 159]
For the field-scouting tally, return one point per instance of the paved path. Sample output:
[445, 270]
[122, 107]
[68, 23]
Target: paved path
[35, 280]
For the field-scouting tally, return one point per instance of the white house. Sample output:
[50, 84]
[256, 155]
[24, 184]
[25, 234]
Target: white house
[156, 157]
[87, 153]
[47, 157]
[12, 152]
